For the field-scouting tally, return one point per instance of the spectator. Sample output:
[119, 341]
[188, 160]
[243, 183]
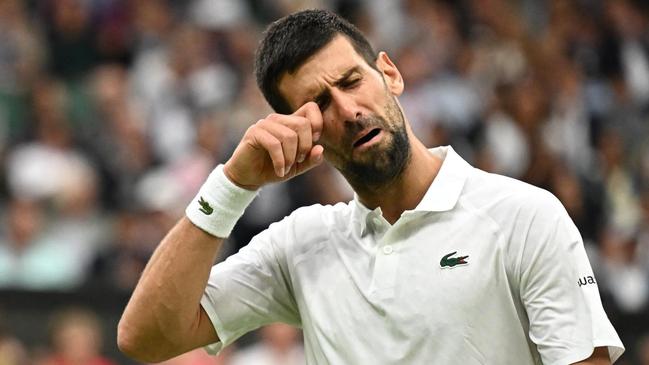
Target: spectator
[119, 264]
[643, 350]
[28, 259]
[12, 350]
[70, 38]
[112, 112]
[76, 338]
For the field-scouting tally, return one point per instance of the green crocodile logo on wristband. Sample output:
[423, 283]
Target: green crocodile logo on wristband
[205, 207]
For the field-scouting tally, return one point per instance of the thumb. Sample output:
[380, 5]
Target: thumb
[315, 158]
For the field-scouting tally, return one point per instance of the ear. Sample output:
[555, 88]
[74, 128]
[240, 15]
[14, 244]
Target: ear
[391, 74]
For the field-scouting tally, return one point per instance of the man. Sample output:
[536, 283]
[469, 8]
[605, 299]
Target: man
[432, 262]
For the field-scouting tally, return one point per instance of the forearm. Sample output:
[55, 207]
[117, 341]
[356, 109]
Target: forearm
[165, 306]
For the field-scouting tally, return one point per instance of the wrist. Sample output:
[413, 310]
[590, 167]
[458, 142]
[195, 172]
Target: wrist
[230, 176]
[219, 204]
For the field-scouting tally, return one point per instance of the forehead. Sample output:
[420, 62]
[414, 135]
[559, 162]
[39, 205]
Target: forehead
[323, 68]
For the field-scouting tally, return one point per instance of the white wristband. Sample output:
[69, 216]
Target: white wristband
[219, 204]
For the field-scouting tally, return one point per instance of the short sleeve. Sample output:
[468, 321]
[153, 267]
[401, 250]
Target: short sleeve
[250, 288]
[559, 290]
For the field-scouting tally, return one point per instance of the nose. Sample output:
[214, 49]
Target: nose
[345, 106]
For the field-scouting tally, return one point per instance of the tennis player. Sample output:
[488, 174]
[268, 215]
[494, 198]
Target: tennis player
[433, 262]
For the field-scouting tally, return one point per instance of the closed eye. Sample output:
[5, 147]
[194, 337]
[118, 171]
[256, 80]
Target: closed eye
[350, 80]
[350, 83]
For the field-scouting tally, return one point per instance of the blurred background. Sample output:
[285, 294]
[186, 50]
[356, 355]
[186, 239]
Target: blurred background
[113, 112]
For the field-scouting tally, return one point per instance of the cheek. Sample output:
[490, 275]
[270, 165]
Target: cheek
[332, 154]
[330, 150]
[331, 135]
[332, 158]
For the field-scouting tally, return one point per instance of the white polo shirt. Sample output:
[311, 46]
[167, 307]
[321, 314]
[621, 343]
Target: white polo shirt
[486, 270]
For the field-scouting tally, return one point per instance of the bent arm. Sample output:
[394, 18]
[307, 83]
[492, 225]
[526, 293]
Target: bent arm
[164, 317]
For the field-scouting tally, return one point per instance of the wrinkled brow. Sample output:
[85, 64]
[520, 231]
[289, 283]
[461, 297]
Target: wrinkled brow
[341, 80]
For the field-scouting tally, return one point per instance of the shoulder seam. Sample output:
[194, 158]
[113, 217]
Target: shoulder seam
[498, 229]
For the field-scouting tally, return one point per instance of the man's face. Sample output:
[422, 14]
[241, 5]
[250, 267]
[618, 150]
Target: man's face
[364, 134]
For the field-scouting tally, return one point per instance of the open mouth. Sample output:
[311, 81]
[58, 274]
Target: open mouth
[367, 137]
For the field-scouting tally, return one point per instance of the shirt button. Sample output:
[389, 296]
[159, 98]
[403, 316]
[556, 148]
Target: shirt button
[387, 250]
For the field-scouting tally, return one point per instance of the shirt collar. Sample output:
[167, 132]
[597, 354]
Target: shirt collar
[441, 196]
[444, 192]
[363, 214]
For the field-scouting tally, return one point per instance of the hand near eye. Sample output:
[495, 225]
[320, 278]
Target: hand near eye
[277, 148]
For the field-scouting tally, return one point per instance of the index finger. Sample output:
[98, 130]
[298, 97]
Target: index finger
[312, 113]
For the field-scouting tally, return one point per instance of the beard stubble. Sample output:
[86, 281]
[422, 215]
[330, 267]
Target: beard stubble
[380, 165]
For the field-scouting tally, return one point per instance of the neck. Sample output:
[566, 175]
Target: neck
[405, 192]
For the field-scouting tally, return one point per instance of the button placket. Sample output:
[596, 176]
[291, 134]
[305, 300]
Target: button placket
[385, 269]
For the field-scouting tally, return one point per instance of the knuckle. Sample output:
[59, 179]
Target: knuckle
[289, 135]
[251, 129]
[250, 134]
[273, 117]
[304, 122]
[290, 122]
[299, 125]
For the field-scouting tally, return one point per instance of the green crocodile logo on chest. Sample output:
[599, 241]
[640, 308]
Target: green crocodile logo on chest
[448, 261]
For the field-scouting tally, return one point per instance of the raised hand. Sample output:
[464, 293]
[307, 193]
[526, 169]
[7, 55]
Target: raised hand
[277, 148]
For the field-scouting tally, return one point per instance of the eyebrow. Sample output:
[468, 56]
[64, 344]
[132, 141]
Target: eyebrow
[346, 75]
[341, 80]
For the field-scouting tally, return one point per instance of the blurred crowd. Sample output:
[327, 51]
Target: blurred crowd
[113, 112]
[75, 337]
